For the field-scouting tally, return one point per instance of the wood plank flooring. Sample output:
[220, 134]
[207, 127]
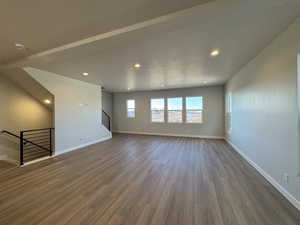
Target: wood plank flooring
[6, 166]
[143, 180]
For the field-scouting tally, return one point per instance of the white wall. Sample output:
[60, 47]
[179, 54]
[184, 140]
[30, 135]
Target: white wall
[213, 114]
[18, 111]
[77, 110]
[107, 102]
[264, 116]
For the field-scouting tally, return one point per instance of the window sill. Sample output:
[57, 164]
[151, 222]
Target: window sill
[184, 123]
[194, 123]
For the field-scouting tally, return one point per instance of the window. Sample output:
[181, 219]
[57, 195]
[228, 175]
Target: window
[158, 110]
[175, 110]
[194, 109]
[298, 99]
[131, 108]
[228, 113]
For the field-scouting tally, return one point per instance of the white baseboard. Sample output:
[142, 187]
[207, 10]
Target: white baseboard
[271, 180]
[171, 135]
[82, 146]
[9, 160]
[36, 160]
[106, 130]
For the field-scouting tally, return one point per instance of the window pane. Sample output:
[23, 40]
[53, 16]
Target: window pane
[131, 113]
[229, 109]
[174, 110]
[193, 116]
[174, 103]
[158, 116]
[157, 104]
[194, 103]
[157, 110]
[130, 104]
[194, 109]
[174, 116]
[131, 108]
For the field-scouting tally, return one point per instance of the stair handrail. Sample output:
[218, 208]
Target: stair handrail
[25, 140]
[50, 128]
[109, 119]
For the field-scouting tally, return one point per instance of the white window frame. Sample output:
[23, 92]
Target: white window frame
[127, 109]
[186, 110]
[229, 113]
[182, 100]
[164, 111]
[298, 99]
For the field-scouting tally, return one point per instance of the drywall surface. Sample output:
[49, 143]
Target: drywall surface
[18, 111]
[265, 112]
[77, 110]
[213, 114]
[107, 103]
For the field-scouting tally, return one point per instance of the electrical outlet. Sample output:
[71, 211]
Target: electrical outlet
[285, 177]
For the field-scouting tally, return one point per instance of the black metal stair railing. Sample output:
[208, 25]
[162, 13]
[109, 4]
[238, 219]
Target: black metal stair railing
[106, 121]
[35, 144]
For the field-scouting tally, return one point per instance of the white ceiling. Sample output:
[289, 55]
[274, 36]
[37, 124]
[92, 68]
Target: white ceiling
[173, 50]
[42, 25]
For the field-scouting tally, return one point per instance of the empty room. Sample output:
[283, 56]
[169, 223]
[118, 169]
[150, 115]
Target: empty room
[150, 112]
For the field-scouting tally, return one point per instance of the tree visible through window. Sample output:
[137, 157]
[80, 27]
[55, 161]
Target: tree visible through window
[131, 108]
[194, 109]
[175, 110]
[158, 110]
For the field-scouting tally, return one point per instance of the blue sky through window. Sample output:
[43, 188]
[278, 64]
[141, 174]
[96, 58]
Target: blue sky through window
[174, 103]
[193, 103]
[157, 104]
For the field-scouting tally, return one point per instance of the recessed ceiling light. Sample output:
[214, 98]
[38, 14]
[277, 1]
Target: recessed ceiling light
[20, 46]
[47, 101]
[85, 74]
[215, 53]
[137, 65]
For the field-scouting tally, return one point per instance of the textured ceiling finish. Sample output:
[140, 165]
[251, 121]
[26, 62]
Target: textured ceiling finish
[42, 25]
[174, 52]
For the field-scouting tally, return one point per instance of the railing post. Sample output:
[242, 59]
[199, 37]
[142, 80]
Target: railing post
[106, 120]
[21, 148]
[50, 130]
[109, 123]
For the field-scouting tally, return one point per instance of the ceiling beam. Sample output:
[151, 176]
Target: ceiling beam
[25, 61]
